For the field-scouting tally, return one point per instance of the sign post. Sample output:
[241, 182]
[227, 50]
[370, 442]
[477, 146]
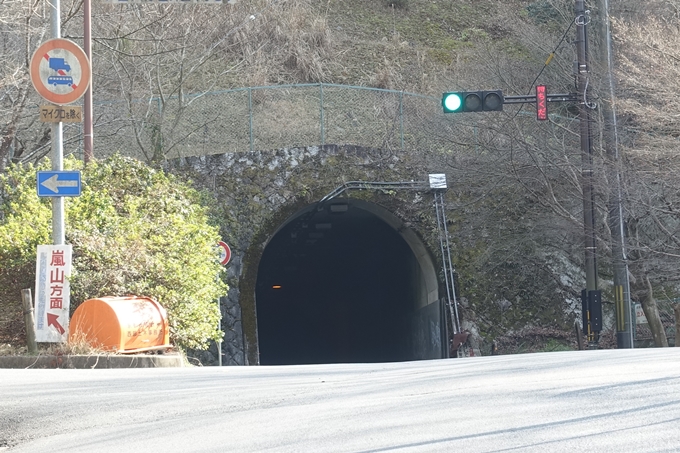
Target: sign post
[224, 255]
[52, 293]
[60, 73]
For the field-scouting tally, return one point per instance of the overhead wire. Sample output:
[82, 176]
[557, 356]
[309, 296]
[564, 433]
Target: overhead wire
[551, 56]
[545, 65]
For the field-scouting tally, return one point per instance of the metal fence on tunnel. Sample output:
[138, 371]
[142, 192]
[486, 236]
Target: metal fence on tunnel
[264, 118]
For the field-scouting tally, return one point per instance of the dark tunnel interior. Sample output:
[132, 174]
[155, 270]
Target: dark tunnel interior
[336, 284]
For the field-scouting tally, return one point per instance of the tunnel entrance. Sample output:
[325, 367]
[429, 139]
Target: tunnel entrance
[346, 282]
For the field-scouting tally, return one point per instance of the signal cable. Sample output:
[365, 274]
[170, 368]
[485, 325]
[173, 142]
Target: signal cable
[550, 57]
[545, 65]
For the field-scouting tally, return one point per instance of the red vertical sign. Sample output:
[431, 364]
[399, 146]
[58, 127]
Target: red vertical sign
[541, 103]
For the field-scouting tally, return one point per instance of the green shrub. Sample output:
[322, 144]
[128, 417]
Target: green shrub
[134, 230]
[24, 223]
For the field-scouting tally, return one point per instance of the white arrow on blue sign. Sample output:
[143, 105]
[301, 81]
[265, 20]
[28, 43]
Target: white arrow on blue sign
[59, 183]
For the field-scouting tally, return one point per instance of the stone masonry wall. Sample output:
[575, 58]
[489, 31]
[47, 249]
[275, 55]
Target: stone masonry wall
[258, 191]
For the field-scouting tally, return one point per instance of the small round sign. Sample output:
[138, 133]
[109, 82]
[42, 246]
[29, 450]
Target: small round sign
[60, 71]
[224, 253]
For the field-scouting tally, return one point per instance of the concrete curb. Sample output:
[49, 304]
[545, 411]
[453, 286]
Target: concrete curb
[92, 361]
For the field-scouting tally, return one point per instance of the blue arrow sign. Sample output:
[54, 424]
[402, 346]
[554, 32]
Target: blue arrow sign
[59, 183]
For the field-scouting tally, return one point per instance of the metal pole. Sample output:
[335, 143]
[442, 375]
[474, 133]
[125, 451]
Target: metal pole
[219, 327]
[57, 155]
[446, 260]
[88, 153]
[323, 132]
[401, 118]
[624, 329]
[582, 76]
[250, 117]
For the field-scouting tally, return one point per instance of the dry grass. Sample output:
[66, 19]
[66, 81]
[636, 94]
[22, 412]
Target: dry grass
[77, 347]
[8, 349]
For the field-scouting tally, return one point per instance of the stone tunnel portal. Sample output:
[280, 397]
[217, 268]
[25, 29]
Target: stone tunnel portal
[347, 282]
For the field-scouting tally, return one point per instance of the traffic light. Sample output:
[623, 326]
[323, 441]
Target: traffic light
[473, 101]
[452, 102]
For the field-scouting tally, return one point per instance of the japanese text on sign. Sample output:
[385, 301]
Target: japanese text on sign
[57, 114]
[52, 293]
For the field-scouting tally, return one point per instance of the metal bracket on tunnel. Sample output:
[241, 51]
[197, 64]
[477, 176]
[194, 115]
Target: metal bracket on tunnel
[436, 183]
[372, 185]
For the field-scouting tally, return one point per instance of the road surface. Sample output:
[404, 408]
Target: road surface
[585, 401]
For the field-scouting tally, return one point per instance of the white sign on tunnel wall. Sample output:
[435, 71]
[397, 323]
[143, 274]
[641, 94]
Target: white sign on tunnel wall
[52, 293]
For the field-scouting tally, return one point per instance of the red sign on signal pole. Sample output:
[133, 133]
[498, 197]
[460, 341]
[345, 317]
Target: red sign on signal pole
[541, 103]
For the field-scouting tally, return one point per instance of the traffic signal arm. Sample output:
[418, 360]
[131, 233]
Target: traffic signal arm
[531, 98]
[520, 99]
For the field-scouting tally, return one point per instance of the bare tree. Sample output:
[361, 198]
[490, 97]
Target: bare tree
[649, 57]
[23, 24]
[162, 60]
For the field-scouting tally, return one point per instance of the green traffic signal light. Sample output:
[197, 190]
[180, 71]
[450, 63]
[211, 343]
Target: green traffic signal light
[473, 101]
[452, 102]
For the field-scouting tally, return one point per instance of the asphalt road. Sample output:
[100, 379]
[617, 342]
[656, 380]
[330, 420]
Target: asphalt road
[590, 401]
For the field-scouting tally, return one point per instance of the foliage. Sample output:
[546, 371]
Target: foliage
[24, 223]
[134, 230]
[535, 339]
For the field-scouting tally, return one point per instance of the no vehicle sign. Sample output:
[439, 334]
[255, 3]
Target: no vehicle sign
[60, 71]
[224, 253]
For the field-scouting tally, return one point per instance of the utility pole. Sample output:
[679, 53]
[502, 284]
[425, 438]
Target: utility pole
[591, 297]
[624, 328]
[481, 101]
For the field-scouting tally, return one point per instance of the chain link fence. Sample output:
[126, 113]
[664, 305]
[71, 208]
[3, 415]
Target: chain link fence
[264, 118]
[643, 335]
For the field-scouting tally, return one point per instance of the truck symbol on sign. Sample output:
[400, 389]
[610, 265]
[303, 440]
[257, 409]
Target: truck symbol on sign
[59, 64]
[61, 67]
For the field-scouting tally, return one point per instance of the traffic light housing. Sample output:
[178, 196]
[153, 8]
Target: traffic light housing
[473, 101]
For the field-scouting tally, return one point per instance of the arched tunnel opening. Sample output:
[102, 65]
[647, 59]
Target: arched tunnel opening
[340, 283]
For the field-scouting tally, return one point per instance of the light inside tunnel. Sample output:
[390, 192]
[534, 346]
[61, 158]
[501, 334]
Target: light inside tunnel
[349, 295]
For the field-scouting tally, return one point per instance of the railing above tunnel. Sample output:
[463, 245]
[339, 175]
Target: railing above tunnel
[267, 117]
